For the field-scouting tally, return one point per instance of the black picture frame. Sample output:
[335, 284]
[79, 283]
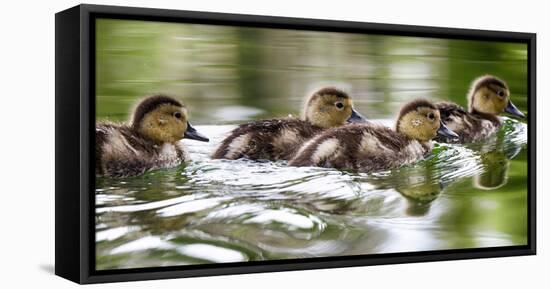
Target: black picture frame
[74, 148]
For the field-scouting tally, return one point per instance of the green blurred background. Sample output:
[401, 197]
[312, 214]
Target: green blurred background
[231, 74]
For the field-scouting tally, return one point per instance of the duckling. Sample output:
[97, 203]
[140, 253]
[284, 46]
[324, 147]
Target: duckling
[488, 97]
[151, 141]
[372, 147]
[279, 139]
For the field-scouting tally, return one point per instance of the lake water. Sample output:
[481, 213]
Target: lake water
[204, 211]
[230, 211]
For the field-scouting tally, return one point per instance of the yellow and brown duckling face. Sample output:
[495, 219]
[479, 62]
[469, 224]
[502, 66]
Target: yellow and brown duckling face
[491, 95]
[330, 107]
[164, 119]
[420, 120]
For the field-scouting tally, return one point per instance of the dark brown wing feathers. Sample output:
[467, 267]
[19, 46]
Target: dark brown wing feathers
[262, 139]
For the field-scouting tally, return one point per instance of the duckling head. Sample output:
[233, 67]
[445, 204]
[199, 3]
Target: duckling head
[491, 95]
[330, 107]
[420, 120]
[163, 119]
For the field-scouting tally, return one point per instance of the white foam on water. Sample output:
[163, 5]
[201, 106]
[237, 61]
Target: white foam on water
[114, 233]
[283, 216]
[211, 253]
[145, 243]
[190, 207]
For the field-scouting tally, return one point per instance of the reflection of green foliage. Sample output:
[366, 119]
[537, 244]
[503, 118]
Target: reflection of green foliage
[211, 67]
[503, 210]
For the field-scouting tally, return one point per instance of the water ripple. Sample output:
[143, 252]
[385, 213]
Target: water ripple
[232, 211]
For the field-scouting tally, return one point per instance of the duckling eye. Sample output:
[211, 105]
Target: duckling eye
[501, 93]
[177, 114]
[339, 105]
[431, 116]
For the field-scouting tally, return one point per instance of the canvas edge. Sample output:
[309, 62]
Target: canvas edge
[67, 144]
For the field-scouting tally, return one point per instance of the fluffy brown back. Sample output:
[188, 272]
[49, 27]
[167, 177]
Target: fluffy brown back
[126, 162]
[349, 154]
[262, 142]
[468, 126]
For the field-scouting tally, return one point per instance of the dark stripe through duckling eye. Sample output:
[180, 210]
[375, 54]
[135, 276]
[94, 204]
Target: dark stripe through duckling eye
[151, 103]
[412, 106]
[415, 105]
[490, 82]
[328, 91]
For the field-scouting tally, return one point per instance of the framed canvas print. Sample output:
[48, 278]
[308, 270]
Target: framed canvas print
[193, 144]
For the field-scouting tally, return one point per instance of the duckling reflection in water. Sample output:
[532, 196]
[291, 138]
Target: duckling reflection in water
[495, 154]
[279, 139]
[420, 185]
[495, 171]
[488, 97]
[151, 141]
[372, 147]
[420, 193]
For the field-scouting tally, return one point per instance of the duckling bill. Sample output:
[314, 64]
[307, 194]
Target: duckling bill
[370, 147]
[150, 141]
[279, 139]
[489, 96]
